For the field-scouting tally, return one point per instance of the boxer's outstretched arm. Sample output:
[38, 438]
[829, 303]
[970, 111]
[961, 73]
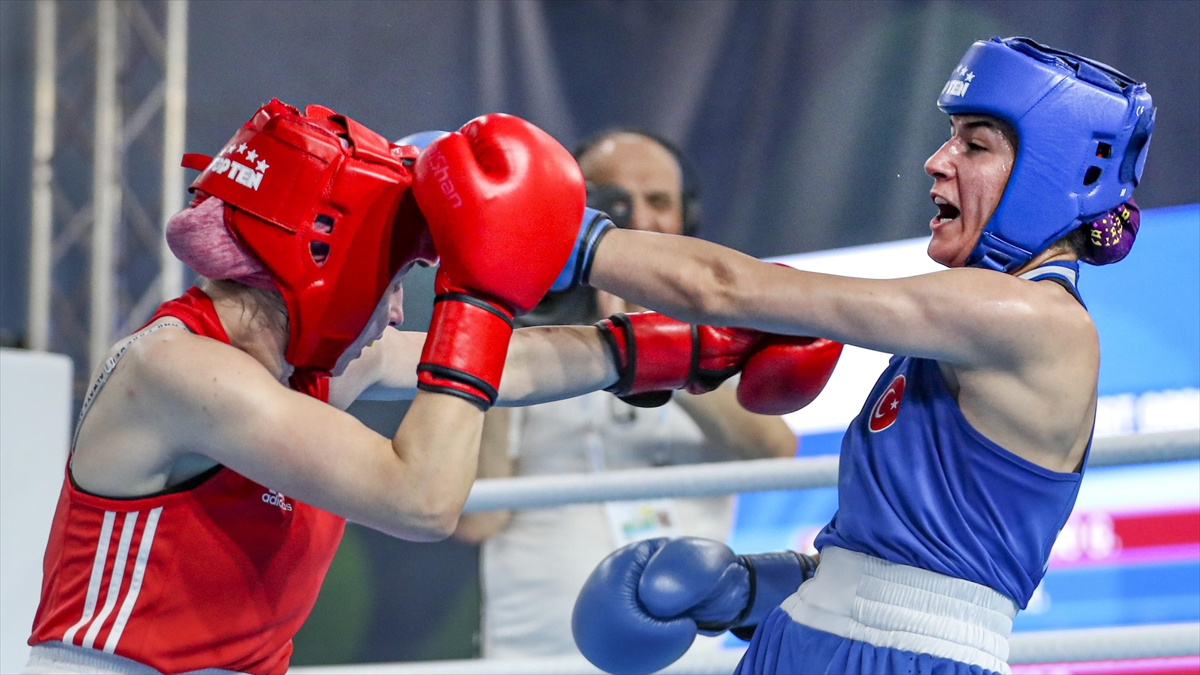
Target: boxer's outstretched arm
[544, 363]
[549, 363]
[385, 371]
[968, 317]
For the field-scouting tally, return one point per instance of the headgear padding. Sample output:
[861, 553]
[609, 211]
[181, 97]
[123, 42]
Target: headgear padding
[1082, 128]
[323, 204]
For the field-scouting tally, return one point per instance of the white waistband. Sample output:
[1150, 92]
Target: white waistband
[59, 658]
[861, 597]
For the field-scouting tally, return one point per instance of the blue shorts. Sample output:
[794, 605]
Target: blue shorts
[783, 647]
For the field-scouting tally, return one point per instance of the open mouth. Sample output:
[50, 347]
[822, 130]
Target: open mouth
[946, 210]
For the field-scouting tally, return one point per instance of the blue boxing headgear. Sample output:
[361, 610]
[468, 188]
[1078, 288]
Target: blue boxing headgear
[1082, 127]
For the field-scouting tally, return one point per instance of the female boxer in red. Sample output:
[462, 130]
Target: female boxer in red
[210, 479]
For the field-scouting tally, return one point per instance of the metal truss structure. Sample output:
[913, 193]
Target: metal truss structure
[110, 94]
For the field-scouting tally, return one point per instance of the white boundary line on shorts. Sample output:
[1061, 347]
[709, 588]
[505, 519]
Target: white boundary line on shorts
[760, 475]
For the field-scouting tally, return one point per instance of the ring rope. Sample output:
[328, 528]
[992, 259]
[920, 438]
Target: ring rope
[1053, 646]
[1089, 644]
[760, 475]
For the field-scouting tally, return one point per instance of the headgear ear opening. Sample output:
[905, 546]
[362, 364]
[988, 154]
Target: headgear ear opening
[690, 203]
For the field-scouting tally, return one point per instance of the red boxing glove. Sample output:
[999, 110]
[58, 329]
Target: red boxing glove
[656, 354]
[504, 203]
[786, 373]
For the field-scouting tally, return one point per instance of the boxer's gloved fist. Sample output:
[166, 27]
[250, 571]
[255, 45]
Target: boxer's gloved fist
[642, 607]
[632, 614]
[578, 269]
[503, 200]
[786, 373]
[655, 354]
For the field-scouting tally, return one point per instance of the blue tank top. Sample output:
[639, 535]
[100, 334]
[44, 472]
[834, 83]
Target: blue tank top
[918, 485]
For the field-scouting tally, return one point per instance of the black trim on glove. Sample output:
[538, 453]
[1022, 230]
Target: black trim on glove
[592, 242]
[627, 367]
[648, 399]
[445, 373]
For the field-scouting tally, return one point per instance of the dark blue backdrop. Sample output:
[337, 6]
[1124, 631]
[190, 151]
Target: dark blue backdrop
[809, 121]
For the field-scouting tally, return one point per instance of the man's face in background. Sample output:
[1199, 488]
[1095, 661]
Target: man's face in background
[654, 181]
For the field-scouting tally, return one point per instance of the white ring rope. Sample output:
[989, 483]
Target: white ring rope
[1054, 646]
[760, 475]
[1102, 644]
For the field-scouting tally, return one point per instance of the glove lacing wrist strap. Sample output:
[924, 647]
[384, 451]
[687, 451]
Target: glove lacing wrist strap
[807, 566]
[465, 350]
[623, 349]
[596, 230]
[751, 596]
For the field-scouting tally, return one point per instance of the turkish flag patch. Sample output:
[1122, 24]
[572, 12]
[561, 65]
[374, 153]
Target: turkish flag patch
[888, 406]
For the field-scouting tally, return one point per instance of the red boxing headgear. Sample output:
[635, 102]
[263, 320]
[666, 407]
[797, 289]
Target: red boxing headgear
[324, 204]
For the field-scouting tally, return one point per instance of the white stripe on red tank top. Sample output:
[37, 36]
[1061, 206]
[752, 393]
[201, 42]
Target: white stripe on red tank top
[112, 579]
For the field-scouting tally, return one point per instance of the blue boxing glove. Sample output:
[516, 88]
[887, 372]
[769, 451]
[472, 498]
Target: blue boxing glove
[421, 138]
[642, 607]
[595, 225]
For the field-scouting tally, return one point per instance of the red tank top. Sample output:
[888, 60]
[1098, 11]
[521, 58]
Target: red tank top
[219, 572]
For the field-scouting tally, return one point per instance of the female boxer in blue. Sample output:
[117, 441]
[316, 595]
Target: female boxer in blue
[966, 458]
